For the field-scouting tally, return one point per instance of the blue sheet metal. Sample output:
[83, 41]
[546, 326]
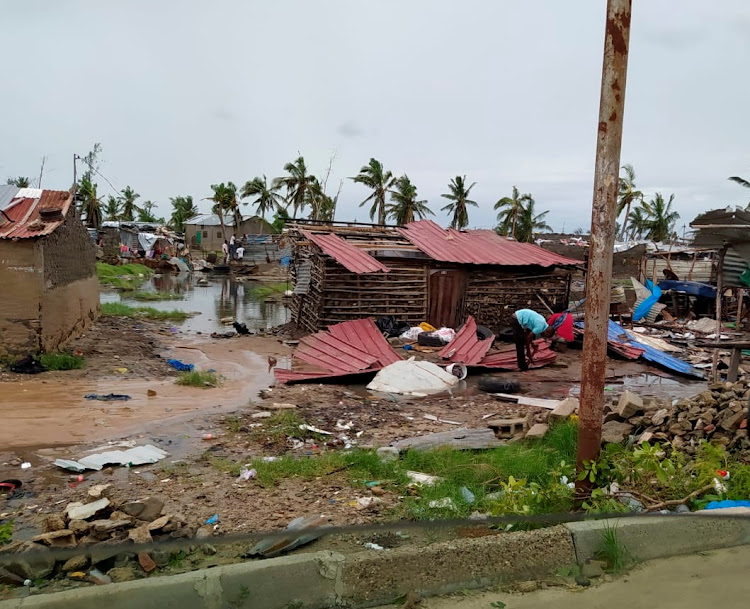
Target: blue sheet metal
[693, 288]
[652, 354]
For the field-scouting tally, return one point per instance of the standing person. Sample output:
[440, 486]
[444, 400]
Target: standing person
[240, 253]
[225, 250]
[527, 325]
[232, 247]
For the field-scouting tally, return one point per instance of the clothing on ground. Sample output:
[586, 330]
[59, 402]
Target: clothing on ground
[562, 323]
[531, 320]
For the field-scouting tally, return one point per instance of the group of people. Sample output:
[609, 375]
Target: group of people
[528, 325]
[232, 249]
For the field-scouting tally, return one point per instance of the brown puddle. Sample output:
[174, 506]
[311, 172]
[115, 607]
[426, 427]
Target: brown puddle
[53, 411]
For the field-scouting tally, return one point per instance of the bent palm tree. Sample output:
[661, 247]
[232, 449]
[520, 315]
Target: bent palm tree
[737, 180]
[267, 197]
[511, 207]
[660, 217]
[183, 209]
[459, 202]
[146, 212]
[638, 222]
[530, 223]
[112, 208]
[129, 208]
[627, 194]
[296, 184]
[380, 181]
[404, 207]
[90, 204]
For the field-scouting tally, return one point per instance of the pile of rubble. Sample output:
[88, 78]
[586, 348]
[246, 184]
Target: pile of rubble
[718, 414]
[99, 541]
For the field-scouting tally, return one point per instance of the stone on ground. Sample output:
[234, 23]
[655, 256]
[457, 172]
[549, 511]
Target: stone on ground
[615, 432]
[630, 404]
[564, 409]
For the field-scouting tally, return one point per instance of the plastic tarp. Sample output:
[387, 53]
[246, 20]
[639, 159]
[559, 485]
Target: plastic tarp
[643, 309]
[138, 455]
[412, 377]
[146, 241]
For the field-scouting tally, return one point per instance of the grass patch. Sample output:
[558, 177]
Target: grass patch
[118, 309]
[6, 532]
[198, 378]
[123, 276]
[152, 296]
[61, 361]
[612, 551]
[270, 289]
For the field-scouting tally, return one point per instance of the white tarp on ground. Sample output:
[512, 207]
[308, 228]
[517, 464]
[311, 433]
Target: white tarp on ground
[412, 377]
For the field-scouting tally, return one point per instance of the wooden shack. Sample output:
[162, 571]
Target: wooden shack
[419, 272]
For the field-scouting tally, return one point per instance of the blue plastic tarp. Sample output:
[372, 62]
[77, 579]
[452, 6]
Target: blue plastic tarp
[642, 310]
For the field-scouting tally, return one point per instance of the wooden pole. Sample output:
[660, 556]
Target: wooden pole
[719, 290]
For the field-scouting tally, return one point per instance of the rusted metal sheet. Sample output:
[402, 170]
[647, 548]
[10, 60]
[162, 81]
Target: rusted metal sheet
[478, 247]
[351, 347]
[346, 254]
[466, 348]
[21, 216]
[601, 243]
[446, 297]
[506, 358]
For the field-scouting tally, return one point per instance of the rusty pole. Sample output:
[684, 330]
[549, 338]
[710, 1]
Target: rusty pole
[599, 279]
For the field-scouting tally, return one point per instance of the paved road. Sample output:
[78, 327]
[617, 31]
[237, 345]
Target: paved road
[714, 579]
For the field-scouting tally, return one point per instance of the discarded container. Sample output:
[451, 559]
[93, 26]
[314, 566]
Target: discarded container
[247, 474]
[457, 370]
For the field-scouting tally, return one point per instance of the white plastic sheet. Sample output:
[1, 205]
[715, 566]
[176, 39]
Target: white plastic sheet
[412, 377]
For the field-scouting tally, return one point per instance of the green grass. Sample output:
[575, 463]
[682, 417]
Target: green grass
[61, 361]
[151, 296]
[612, 551]
[197, 378]
[270, 289]
[123, 276]
[6, 532]
[118, 309]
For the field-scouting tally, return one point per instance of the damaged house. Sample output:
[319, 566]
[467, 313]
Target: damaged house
[47, 270]
[419, 272]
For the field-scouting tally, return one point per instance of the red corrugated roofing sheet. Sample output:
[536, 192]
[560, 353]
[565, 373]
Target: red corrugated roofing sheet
[506, 359]
[478, 247]
[346, 254]
[350, 347]
[23, 215]
[465, 347]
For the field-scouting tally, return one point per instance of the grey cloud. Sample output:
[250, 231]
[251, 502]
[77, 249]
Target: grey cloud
[350, 129]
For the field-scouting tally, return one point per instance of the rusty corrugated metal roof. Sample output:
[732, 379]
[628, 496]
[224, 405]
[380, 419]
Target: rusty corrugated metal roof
[465, 347]
[506, 359]
[350, 347]
[34, 213]
[346, 254]
[478, 247]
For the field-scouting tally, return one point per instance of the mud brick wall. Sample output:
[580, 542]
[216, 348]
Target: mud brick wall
[21, 278]
[69, 254]
[493, 295]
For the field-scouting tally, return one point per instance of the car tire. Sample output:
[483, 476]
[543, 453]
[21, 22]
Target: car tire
[491, 384]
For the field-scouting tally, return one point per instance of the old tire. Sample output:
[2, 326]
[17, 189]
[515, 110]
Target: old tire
[492, 384]
[483, 332]
[427, 340]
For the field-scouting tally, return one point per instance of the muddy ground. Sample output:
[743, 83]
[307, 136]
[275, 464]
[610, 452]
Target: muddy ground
[203, 430]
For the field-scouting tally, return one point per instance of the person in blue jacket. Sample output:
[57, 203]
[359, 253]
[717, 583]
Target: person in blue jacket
[528, 325]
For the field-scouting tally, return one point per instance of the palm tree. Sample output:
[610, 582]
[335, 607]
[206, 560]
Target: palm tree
[511, 208]
[112, 208]
[183, 209]
[146, 212]
[129, 208]
[322, 205]
[530, 223]
[638, 222]
[20, 181]
[225, 200]
[90, 204]
[380, 181]
[660, 217]
[267, 197]
[296, 184]
[405, 207]
[736, 179]
[627, 194]
[459, 200]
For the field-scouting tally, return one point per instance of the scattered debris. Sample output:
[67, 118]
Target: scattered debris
[314, 525]
[413, 378]
[461, 439]
[138, 455]
[109, 397]
[420, 479]
[180, 366]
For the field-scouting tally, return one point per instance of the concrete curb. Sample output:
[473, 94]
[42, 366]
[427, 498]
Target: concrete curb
[326, 579]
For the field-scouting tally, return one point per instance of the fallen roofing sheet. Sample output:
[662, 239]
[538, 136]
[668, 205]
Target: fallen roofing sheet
[350, 347]
[466, 348]
[506, 359]
[347, 255]
[138, 455]
[478, 247]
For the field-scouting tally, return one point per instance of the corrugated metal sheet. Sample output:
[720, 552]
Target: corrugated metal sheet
[210, 220]
[347, 255]
[8, 192]
[686, 270]
[466, 348]
[478, 247]
[350, 347]
[23, 214]
[302, 276]
[506, 359]
[736, 261]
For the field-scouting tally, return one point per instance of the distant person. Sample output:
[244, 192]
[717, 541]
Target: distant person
[240, 253]
[225, 250]
[232, 247]
[670, 275]
[528, 325]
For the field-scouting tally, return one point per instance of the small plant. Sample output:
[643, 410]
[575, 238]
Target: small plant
[6, 532]
[61, 361]
[234, 424]
[176, 560]
[611, 549]
[498, 605]
[198, 378]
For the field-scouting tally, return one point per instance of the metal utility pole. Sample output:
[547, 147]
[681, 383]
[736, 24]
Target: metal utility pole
[601, 244]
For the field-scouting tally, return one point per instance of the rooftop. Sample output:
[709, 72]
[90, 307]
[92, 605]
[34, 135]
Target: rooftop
[31, 212]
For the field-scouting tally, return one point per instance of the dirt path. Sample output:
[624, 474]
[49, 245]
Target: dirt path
[713, 579]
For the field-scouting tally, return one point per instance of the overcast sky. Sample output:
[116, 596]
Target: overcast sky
[182, 94]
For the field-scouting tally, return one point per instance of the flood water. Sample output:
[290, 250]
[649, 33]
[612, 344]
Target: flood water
[222, 297]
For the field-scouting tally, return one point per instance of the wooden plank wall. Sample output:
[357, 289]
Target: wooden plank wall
[493, 295]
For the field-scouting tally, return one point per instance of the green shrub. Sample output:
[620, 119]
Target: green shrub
[61, 361]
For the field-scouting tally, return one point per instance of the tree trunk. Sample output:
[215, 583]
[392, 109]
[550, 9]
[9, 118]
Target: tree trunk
[221, 221]
[625, 221]
[513, 228]
[381, 208]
